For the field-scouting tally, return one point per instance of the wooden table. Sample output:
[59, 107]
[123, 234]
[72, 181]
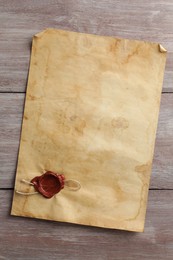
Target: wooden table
[22, 238]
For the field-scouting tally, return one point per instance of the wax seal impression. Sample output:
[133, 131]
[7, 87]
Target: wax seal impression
[48, 184]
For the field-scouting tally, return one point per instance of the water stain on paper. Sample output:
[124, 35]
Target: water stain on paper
[120, 122]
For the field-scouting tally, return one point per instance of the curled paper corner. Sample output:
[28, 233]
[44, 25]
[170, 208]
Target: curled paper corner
[162, 49]
[40, 34]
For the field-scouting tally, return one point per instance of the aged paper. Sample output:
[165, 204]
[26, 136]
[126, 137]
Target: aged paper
[91, 113]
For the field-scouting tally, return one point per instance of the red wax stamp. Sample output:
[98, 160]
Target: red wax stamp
[49, 184]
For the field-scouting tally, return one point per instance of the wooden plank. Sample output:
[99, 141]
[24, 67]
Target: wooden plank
[11, 107]
[10, 125]
[24, 238]
[148, 20]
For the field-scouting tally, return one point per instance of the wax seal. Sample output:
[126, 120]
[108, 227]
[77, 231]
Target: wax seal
[48, 184]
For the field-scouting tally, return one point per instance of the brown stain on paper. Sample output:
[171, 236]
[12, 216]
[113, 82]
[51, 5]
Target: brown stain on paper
[143, 171]
[69, 123]
[79, 127]
[31, 97]
[115, 45]
[143, 168]
[120, 122]
[130, 55]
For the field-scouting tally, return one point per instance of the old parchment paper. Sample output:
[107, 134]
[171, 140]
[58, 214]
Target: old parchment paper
[91, 112]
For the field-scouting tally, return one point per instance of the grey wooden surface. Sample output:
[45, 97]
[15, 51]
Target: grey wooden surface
[23, 238]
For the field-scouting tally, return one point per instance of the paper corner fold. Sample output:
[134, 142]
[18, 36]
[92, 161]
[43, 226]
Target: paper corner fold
[162, 49]
[40, 34]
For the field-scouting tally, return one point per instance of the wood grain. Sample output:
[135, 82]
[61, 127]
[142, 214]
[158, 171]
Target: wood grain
[148, 20]
[10, 125]
[23, 238]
